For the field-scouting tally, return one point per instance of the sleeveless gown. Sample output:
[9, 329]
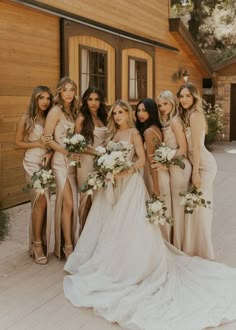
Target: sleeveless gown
[177, 181]
[100, 136]
[198, 226]
[33, 162]
[124, 270]
[165, 194]
[63, 171]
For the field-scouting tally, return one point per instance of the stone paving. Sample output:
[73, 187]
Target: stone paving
[31, 295]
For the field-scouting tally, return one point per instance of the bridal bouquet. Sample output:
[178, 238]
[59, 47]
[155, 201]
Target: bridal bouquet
[192, 199]
[74, 143]
[156, 211]
[42, 180]
[110, 161]
[166, 156]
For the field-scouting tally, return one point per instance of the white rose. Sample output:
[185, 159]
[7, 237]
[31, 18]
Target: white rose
[170, 154]
[156, 206]
[92, 181]
[100, 150]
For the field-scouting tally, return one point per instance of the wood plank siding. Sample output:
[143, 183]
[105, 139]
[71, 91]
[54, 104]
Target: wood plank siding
[40, 41]
[29, 57]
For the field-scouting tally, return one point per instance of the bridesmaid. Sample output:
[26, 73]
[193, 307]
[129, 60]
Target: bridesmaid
[198, 227]
[91, 123]
[60, 119]
[29, 136]
[148, 124]
[178, 179]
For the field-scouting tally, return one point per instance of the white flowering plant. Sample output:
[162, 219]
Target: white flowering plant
[166, 156]
[110, 161]
[192, 199]
[42, 180]
[156, 211]
[215, 121]
[74, 143]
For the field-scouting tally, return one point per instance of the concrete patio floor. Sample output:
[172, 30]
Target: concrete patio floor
[31, 295]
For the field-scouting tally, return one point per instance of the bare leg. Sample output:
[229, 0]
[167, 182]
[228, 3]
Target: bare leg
[38, 217]
[66, 218]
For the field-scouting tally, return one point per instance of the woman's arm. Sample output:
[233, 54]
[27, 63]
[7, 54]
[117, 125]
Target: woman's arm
[53, 118]
[198, 127]
[20, 136]
[151, 142]
[178, 130]
[136, 140]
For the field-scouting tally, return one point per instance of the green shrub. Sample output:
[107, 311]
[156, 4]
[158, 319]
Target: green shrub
[215, 120]
[4, 225]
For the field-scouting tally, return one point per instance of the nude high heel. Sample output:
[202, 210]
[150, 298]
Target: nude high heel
[39, 260]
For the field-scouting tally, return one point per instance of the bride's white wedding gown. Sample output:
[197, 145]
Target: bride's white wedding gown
[124, 270]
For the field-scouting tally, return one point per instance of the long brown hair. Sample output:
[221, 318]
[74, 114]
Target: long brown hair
[196, 106]
[59, 101]
[33, 106]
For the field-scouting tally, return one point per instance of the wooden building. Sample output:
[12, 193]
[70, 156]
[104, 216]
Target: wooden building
[129, 49]
[226, 94]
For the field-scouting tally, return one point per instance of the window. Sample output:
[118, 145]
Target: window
[93, 69]
[137, 78]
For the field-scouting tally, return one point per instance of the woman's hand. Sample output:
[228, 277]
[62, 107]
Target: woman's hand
[75, 156]
[196, 180]
[124, 173]
[45, 139]
[46, 158]
[158, 166]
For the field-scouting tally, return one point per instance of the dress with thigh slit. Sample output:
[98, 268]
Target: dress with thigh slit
[63, 172]
[33, 162]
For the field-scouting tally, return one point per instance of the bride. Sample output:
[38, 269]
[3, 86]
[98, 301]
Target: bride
[124, 270]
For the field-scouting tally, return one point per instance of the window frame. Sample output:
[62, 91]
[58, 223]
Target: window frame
[97, 50]
[138, 59]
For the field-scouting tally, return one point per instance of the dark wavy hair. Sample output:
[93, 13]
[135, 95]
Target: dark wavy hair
[153, 119]
[88, 125]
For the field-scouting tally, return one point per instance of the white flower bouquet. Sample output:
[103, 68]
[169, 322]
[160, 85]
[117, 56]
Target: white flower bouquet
[74, 143]
[166, 156]
[110, 161]
[42, 180]
[156, 211]
[192, 199]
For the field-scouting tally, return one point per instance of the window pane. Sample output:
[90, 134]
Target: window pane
[93, 70]
[137, 79]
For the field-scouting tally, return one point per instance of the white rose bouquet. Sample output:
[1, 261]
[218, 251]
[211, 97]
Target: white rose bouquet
[156, 211]
[110, 161]
[74, 143]
[192, 199]
[166, 156]
[42, 180]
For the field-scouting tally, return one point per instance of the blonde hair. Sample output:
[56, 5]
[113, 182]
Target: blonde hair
[59, 101]
[170, 98]
[112, 125]
[196, 106]
[33, 106]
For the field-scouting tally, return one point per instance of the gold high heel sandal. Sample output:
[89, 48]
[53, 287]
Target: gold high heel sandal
[39, 260]
[67, 249]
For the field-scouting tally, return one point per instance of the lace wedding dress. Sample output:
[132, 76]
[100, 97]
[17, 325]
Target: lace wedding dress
[124, 270]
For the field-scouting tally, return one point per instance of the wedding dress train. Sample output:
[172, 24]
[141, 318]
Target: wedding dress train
[124, 270]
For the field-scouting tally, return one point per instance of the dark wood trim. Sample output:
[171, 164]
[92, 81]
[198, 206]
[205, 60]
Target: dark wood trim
[94, 24]
[225, 63]
[177, 26]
